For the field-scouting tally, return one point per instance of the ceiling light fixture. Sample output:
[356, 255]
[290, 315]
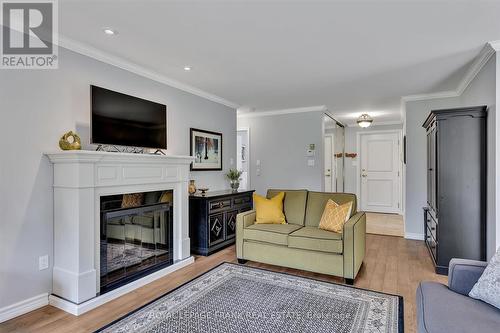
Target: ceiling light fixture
[187, 68]
[364, 120]
[110, 32]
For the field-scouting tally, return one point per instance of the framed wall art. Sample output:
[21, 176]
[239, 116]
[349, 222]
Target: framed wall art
[206, 148]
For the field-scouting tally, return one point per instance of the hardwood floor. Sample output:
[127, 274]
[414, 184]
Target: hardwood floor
[385, 224]
[392, 265]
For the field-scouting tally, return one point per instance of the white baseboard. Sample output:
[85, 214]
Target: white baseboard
[411, 235]
[78, 309]
[25, 306]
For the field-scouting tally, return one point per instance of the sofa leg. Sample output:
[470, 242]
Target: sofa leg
[349, 281]
[242, 261]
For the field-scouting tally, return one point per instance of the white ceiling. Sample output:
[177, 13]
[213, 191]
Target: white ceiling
[352, 56]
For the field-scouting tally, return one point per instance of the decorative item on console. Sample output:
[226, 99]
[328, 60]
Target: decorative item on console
[191, 187]
[234, 178]
[70, 141]
[203, 190]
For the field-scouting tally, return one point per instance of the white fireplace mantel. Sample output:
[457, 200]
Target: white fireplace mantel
[80, 179]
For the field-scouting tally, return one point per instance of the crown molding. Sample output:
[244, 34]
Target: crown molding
[482, 59]
[495, 45]
[254, 114]
[129, 66]
[423, 97]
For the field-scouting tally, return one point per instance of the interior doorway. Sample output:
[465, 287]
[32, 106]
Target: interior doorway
[379, 171]
[333, 154]
[243, 156]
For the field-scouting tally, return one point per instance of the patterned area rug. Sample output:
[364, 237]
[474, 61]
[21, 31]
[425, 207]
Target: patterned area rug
[236, 298]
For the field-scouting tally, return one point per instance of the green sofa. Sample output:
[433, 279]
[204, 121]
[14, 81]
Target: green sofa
[300, 243]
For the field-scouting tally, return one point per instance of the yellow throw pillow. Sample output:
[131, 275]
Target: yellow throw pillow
[269, 211]
[335, 215]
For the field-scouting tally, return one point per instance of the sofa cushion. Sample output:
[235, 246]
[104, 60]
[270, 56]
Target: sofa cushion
[316, 202]
[314, 239]
[269, 211]
[270, 233]
[294, 204]
[334, 216]
[441, 310]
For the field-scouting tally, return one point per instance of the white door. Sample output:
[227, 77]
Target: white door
[380, 172]
[243, 156]
[329, 172]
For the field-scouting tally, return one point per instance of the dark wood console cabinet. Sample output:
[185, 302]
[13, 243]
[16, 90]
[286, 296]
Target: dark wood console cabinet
[455, 216]
[212, 219]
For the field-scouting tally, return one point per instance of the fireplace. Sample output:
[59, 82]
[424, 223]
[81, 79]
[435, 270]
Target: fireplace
[136, 236]
[88, 184]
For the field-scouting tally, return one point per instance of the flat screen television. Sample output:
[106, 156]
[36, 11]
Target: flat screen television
[124, 120]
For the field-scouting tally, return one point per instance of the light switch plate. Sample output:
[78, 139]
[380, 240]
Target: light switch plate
[43, 262]
[310, 163]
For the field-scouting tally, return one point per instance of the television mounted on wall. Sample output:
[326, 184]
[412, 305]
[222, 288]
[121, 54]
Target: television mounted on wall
[122, 120]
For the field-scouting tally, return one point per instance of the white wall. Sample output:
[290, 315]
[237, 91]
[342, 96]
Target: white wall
[280, 143]
[36, 108]
[351, 175]
[483, 90]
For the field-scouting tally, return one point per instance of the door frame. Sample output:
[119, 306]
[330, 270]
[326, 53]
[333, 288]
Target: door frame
[333, 171]
[247, 129]
[399, 132]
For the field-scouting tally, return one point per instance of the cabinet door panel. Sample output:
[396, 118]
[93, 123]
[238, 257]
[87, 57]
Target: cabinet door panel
[230, 223]
[216, 229]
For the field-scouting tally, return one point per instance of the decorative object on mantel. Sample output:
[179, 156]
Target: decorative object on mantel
[203, 190]
[351, 155]
[234, 178]
[311, 305]
[364, 120]
[70, 141]
[191, 187]
[206, 148]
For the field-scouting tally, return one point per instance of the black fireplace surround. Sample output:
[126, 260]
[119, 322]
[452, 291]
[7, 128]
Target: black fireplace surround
[136, 239]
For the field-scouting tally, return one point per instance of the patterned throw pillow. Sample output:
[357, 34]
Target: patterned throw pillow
[132, 200]
[487, 288]
[335, 215]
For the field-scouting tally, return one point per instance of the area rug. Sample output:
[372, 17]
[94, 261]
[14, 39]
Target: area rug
[237, 298]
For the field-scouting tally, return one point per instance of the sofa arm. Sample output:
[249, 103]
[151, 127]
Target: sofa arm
[463, 274]
[243, 220]
[354, 237]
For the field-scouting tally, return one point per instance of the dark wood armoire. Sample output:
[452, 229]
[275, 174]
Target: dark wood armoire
[455, 215]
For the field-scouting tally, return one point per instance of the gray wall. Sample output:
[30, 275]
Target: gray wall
[351, 147]
[481, 91]
[416, 161]
[280, 143]
[36, 108]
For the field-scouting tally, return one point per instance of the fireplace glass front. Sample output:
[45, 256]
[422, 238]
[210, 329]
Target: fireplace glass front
[136, 236]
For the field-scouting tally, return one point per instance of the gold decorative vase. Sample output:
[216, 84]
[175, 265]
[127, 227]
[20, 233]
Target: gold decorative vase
[192, 187]
[70, 141]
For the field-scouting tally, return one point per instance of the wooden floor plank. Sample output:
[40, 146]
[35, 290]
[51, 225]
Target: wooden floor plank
[392, 264]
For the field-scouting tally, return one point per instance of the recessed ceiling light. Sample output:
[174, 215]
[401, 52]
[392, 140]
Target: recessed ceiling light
[110, 32]
[187, 68]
